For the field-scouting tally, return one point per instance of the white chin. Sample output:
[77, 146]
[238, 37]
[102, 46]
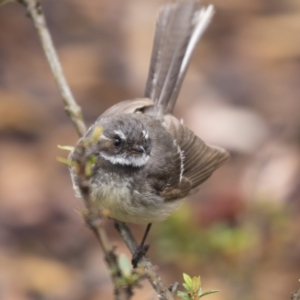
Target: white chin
[124, 160]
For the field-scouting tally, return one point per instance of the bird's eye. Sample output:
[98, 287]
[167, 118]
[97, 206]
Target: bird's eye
[117, 141]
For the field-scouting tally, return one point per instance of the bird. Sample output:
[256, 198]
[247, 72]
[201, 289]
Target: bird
[147, 160]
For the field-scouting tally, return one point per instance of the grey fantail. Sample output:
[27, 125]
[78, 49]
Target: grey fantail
[148, 160]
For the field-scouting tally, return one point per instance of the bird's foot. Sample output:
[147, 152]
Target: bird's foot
[139, 252]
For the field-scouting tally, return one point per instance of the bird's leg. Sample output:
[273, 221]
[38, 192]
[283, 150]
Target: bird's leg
[141, 249]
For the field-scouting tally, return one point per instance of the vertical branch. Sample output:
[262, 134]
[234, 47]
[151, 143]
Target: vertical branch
[72, 109]
[80, 164]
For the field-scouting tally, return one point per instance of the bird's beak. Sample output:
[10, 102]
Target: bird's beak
[138, 148]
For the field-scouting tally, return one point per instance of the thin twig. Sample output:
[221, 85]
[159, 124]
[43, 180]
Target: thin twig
[72, 109]
[74, 112]
[93, 219]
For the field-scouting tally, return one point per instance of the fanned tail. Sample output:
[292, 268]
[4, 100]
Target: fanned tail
[178, 29]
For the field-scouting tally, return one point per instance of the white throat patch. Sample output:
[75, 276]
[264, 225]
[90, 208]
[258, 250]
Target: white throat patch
[122, 159]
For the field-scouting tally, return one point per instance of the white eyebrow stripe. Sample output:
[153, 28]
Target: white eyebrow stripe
[145, 134]
[120, 134]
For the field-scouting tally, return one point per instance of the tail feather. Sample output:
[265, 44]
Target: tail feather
[178, 29]
[158, 44]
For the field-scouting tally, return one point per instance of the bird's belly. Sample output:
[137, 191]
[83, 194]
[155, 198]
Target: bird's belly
[118, 202]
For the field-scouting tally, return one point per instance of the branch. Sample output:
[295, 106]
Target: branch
[82, 166]
[92, 216]
[34, 10]
[150, 273]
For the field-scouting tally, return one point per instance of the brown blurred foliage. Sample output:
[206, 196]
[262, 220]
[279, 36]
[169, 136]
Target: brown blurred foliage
[240, 232]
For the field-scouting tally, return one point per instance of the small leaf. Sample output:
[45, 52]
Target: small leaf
[186, 287]
[133, 279]
[183, 295]
[208, 292]
[125, 265]
[196, 284]
[67, 148]
[92, 159]
[89, 166]
[88, 170]
[188, 280]
[64, 161]
[97, 132]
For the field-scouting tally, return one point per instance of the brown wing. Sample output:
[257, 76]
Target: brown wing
[178, 186]
[200, 159]
[128, 107]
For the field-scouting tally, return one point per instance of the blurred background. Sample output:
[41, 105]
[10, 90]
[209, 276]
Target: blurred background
[240, 232]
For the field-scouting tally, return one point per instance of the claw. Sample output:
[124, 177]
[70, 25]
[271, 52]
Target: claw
[140, 251]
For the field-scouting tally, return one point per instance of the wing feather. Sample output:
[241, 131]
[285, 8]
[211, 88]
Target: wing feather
[200, 159]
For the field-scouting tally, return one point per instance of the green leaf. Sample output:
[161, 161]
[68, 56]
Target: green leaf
[125, 265]
[132, 279]
[92, 159]
[208, 292]
[183, 295]
[188, 280]
[96, 134]
[196, 284]
[186, 287]
[67, 148]
[90, 165]
[88, 171]
[64, 161]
